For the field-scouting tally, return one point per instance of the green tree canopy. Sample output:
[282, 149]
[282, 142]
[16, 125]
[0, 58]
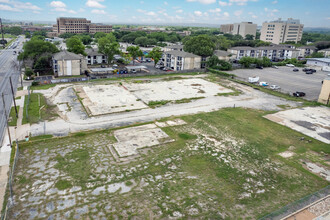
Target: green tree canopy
[111, 49]
[155, 54]
[249, 37]
[36, 47]
[27, 35]
[201, 45]
[98, 35]
[134, 52]
[75, 45]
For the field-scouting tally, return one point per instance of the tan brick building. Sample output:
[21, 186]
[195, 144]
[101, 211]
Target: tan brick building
[78, 25]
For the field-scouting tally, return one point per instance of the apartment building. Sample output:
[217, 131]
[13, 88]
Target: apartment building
[180, 60]
[67, 64]
[227, 28]
[77, 25]
[326, 52]
[274, 53]
[95, 57]
[178, 47]
[306, 50]
[280, 31]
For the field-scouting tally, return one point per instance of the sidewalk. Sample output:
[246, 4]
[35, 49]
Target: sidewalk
[5, 151]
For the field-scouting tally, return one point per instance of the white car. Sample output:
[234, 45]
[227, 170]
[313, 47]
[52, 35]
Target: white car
[276, 67]
[290, 65]
[274, 87]
[115, 65]
[263, 84]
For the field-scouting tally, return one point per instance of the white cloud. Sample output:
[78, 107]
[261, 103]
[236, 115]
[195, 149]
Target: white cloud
[165, 3]
[94, 4]
[274, 2]
[97, 11]
[225, 3]
[328, 18]
[151, 13]
[179, 11]
[270, 10]
[198, 13]
[4, 1]
[23, 5]
[57, 4]
[206, 2]
[72, 12]
[216, 10]
[141, 2]
[241, 2]
[238, 13]
[226, 14]
[7, 8]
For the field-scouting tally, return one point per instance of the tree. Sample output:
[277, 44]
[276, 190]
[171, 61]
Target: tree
[266, 62]
[27, 34]
[201, 45]
[246, 61]
[42, 65]
[36, 47]
[134, 52]
[99, 35]
[111, 49]
[155, 54]
[249, 37]
[85, 39]
[317, 55]
[141, 41]
[75, 45]
[213, 61]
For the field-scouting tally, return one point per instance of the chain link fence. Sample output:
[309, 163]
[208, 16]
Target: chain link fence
[9, 199]
[297, 205]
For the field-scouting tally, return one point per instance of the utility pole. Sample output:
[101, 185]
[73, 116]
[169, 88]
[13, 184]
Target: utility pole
[12, 92]
[6, 117]
[3, 38]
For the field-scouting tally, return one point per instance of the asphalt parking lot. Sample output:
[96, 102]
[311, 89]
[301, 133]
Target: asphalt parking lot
[288, 80]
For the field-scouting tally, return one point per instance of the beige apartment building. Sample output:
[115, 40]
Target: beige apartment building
[180, 60]
[325, 92]
[280, 31]
[68, 64]
[78, 25]
[227, 28]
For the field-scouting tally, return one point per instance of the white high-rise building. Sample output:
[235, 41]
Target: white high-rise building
[245, 28]
[281, 31]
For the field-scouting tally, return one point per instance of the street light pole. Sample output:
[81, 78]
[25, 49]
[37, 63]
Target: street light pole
[12, 92]
[6, 117]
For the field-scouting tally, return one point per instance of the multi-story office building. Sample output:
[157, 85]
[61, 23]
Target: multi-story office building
[281, 31]
[245, 28]
[78, 25]
[227, 28]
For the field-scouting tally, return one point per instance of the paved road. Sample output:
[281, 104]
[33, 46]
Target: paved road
[288, 80]
[8, 68]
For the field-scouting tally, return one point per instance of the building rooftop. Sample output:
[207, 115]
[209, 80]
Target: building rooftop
[66, 55]
[93, 52]
[307, 47]
[327, 49]
[177, 46]
[243, 48]
[181, 53]
[325, 60]
[221, 53]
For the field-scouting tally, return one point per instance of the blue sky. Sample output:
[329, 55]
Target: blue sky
[312, 13]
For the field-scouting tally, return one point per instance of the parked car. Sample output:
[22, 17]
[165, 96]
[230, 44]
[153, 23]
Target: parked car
[274, 87]
[259, 67]
[290, 65]
[299, 94]
[263, 84]
[305, 69]
[133, 71]
[114, 65]
[276, 67]
[313, 70]
[295, 70]
[309, 72]
[103, 66]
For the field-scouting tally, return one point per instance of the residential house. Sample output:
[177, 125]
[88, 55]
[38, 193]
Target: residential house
[324, 63]
[306, 50]
[67, 64]
[180, 60]
[95, 57]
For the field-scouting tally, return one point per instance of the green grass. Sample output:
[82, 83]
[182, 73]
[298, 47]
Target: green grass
[41, 137]
[187, 100]
[12, 116]
[19, 88]
[46, 113]
[42, 87]
[63, 184]
[216, 184]
[154, 104]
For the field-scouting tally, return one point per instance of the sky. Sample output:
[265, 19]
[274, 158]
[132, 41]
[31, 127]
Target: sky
[312, 13]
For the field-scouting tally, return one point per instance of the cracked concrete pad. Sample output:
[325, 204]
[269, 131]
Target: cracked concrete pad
[175, 90]
[311, 121]
[106, 99]
[134, 138]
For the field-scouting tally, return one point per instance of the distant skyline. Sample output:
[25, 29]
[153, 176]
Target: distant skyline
[312, 13]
